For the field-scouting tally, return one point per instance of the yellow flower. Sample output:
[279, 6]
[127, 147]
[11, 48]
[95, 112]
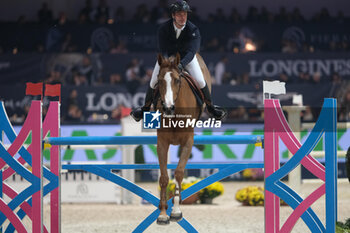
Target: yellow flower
[251, 195]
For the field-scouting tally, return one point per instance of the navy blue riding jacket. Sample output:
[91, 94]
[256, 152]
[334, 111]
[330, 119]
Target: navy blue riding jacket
[187, 44]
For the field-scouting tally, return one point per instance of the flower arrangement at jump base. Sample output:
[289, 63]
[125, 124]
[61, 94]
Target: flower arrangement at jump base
[205, 195]
[251, 196]
[253, 174]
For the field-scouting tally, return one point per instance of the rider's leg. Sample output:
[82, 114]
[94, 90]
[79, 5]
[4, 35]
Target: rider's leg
[194, 69]
[137, 114]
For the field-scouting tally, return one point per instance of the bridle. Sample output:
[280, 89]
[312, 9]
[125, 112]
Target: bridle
[181, 75]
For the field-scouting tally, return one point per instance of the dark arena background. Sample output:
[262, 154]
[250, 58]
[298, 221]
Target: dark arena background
[103, 52]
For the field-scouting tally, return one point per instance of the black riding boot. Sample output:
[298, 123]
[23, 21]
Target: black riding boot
[217, 112]
[137, 114]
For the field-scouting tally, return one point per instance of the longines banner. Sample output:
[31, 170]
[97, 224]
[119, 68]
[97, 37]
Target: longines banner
[14, 69]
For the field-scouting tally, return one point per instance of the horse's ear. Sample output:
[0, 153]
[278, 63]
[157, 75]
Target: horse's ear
[178, 58]
[160, 59]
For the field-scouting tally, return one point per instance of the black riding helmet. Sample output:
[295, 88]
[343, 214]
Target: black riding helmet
[180, 6]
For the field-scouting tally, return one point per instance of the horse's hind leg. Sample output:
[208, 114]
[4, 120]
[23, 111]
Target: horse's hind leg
[186, 148]
[162, 150]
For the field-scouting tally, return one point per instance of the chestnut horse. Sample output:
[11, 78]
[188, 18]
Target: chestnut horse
[176, 98]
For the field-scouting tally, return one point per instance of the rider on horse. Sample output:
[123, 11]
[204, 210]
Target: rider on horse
[179, 35]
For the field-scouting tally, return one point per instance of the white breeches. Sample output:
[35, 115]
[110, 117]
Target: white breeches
[193, 68]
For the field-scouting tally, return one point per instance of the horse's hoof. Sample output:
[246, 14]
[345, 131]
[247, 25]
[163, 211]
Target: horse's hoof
[176, 217]
[163, 220]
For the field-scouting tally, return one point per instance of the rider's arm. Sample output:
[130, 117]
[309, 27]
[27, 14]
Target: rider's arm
[192, 47]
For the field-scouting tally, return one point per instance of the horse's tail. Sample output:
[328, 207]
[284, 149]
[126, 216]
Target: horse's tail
[205, 70]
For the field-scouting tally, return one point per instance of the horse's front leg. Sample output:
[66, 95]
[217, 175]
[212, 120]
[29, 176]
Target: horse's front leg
[162, 150]
[186, 148]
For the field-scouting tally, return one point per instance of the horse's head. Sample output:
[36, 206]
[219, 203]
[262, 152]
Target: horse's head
[169, 82]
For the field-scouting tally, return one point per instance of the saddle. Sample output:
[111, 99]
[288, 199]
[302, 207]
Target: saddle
[195, 88]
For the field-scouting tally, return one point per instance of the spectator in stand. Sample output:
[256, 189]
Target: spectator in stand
[83, 19]
[219, 16]
[73, 98]
[234, 17]
[17, 114]
[340, 19]
[283, 77]
[120, 48]
[324, 15]
[119, 15]
[264, 15]
[45, 14]
[160, 11]
[236, 42]
[62, 19]
[297, 17]
[241, 113]
[210, 18]
[244, 79]
[344, 110]
[135, 70]
[102, 12]
[238, 114]
[115, 79]
[74, 114]
[304, 77]
[307, 114]
[87, 11]
[338, 86]
[142, 14]
[147, 76]
[85, 69]
[194, 17]
[332, 46]
[79, 80]
[252, 15]
[67, 45]
[39, 48]
[282, 16]
[133, 75]
[289, 46]
[316, 78]
[220, 70]
[344, 46]
[120, 112]
[55, 76]
[214, 45]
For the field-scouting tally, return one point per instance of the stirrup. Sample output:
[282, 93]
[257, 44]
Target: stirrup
[137, 114]
[217, 112]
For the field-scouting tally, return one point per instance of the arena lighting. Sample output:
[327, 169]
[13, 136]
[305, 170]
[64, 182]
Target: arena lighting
[250, 47]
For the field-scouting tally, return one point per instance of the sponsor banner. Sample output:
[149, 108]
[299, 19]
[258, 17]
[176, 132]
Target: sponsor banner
[105, 98]
[16, 68]
[200, 153]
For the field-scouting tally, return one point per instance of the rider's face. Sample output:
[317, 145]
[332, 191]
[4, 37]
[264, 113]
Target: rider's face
[180, 18]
